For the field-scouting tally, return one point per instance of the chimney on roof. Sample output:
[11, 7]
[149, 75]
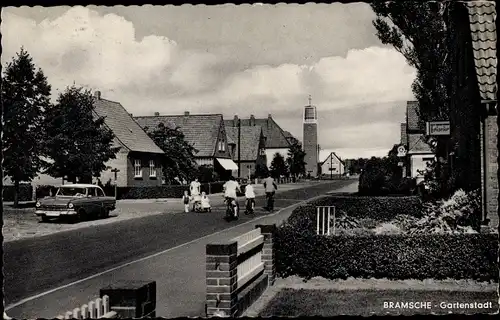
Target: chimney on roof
[97, 95]
[157, 114]
[235, 121]
[252, 120]
[186, 113]
[131, 115]
[269, 116]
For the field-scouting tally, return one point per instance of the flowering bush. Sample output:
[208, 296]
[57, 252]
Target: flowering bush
[461, 213]
[387, 228]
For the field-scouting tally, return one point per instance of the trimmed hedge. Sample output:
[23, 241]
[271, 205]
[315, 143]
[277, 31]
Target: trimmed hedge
[25, 193]
[398, 257]
[378, 208]
[171, 191]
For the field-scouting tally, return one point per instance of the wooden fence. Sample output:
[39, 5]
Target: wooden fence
[239, 270]
[325, 220]
[252, 265]
[95, 309]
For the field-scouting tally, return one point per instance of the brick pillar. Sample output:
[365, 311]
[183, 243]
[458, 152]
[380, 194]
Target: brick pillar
[132, 299]
[221, 268]
[268, 252]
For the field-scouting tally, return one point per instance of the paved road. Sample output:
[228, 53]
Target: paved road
[179, 273]
[37, 265]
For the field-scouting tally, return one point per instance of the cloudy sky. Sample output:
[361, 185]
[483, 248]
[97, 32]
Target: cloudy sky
[228, 59]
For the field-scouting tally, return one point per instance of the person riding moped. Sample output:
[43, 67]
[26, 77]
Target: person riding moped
[231, 188]
[270, 188]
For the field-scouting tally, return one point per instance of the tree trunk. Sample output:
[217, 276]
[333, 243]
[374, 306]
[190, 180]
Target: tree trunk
[16, 193]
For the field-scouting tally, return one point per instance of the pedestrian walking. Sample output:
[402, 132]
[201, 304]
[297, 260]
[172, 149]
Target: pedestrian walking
[185, 200]
[194, 188]
[270, 188]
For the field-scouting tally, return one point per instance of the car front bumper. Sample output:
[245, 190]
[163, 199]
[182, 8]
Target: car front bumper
[53, 213]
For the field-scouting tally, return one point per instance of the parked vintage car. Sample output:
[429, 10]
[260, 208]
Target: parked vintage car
[76, 201]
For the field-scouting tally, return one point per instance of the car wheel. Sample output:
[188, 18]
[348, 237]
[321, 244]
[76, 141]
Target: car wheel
[105, 213]
[80, 216]
[45, 219]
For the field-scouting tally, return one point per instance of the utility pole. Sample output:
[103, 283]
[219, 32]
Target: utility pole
[239, 148]
[331, 166]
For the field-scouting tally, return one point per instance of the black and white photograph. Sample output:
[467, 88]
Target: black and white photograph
[249, 160]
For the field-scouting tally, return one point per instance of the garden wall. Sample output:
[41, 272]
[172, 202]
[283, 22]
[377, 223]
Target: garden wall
[437, 256]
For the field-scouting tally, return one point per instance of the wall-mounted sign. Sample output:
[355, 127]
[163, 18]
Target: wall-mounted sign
[401, 151]
[437, 128]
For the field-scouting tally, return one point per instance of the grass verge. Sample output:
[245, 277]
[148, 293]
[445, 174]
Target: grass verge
[329, 303]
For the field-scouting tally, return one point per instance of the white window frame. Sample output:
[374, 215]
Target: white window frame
[152, 169]
[137, 168]
[223, 145]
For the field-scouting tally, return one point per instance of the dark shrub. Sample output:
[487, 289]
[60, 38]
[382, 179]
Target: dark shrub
[461, 256]
[171, 191]
[378, 208]
[45, 191]
[25, 192]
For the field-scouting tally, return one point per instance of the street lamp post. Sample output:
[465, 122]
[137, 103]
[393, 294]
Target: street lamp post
[115, 171]
[239, 148]
[331, 166]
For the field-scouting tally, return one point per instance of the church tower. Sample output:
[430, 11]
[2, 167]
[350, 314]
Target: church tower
[310, 139]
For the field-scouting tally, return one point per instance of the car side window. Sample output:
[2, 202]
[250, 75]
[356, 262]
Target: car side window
[99, 192]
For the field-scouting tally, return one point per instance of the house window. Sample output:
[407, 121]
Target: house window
[152, 169]
[262, 152]
[222, 146]
[137, 168]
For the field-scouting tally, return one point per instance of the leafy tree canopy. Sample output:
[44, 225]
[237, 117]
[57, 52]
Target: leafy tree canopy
[25, 96]
[178, 160]
[295, 159]
[278, 166]
[77, 140]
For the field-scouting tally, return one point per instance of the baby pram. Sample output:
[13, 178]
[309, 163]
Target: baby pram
[197, 203]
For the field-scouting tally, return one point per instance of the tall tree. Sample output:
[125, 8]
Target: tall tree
[178, 160]
[25, 96]
[295, 159]
[278, 166]
[419, 31]
[77, 140]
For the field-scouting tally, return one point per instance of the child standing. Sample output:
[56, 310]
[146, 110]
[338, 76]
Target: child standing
[185, 201]
[205, 202]
[250, 199]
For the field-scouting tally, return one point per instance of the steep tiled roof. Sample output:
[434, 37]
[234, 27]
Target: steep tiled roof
[275, 137]
[332, 154]
[416, 144]
[482, 16]
[200, 130]
[250, 139]
[404, 134]
[126, 130]
[412, 118]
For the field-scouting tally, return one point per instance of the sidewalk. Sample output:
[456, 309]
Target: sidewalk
[259, 190]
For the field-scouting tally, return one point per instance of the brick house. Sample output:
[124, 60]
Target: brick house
[205, 132]
[276, 141]
[252, 148]
[139, 157]
[419, 153]
[473, 109]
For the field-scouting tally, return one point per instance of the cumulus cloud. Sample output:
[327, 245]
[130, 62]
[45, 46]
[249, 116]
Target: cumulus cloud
[360, 96]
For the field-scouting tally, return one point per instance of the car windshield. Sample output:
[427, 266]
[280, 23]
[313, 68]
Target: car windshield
[71, 192]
